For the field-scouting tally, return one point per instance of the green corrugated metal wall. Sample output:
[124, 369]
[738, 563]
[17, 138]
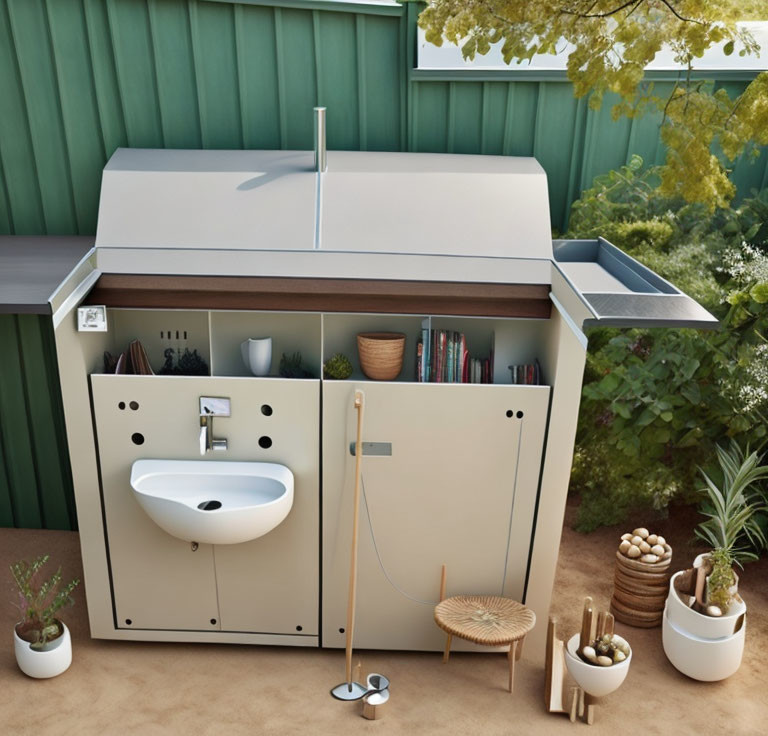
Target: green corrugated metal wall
[35, 481]
[80, 77]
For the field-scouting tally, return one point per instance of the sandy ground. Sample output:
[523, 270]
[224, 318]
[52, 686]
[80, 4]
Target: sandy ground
[150, 688]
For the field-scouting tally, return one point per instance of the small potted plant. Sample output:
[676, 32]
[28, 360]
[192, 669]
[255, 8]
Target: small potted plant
[337, 367]
[42, 642]
[704, 617]
[292, 366]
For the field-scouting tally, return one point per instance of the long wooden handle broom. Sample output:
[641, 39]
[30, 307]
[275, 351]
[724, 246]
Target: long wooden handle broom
[350, 690]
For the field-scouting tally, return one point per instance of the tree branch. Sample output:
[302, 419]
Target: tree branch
[677, 15]
[607, 14]
[739, 100]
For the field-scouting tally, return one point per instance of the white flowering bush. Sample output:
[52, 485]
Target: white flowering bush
[746, 264]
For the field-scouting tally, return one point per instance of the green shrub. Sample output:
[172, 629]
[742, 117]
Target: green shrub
[651, 233]
[656, 402]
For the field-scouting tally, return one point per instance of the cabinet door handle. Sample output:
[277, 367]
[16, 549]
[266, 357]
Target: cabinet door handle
[373, 448]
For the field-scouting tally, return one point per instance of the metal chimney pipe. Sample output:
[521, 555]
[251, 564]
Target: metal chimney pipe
[321, 159]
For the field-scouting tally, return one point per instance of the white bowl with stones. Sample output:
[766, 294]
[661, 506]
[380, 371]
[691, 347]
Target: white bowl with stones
[592, 678]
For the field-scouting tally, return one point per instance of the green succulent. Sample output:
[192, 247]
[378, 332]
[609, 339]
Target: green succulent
[338, 366]
[292, 366]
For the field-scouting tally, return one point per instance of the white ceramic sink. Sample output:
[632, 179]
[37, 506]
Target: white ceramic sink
[213, 502]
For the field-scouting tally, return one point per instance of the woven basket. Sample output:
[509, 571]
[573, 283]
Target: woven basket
[381, 354]
[640, 590]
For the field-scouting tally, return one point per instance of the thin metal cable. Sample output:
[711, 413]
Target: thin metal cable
[512, 507]
[509, 533]
[378, 556]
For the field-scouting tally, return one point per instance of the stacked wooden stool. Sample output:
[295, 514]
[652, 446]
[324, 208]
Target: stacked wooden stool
[640, 587]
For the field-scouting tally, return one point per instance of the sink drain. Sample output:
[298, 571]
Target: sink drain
[209, 505]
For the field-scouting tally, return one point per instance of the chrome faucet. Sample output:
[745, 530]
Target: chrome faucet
[211, 407]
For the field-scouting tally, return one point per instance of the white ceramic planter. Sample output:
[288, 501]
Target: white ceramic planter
[708, 660]
[684, 618]
[54, 659]
[593, 679]
[257, 354]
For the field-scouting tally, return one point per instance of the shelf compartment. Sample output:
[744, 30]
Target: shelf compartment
[340, 336]
[513, 341]
[290, 332]
[159, 330]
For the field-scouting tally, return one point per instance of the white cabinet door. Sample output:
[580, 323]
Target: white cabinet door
[459, 489]
[269, 585]
[272, 584]
[158, 581]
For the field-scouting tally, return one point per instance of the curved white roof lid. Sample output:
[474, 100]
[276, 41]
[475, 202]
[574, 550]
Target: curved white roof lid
[365, 202]
[207, 199]
[436, 203]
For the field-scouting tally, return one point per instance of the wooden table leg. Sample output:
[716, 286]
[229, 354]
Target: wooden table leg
[447, 652]
[511, 657]
[589, 709]
[574, 703]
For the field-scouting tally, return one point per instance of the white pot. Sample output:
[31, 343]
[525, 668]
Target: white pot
[686, 619]
[593, 678]
[702, 659]
[52, 660]
[257, 355]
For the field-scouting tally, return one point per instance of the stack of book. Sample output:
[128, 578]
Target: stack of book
[442, 357]
[526, 374]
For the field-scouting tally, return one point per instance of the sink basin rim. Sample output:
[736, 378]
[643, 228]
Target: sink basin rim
[143, 469]
[175, 509]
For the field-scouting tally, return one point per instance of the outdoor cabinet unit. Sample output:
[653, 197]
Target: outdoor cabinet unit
[204, 249]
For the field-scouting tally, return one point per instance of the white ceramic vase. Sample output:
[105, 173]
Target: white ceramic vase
[707, 648]
[708, 660]
[52, 660]
[684, 618]
[257, 355]
[594, 679]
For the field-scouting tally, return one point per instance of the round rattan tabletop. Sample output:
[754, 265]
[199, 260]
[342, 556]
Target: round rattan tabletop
[484, 619]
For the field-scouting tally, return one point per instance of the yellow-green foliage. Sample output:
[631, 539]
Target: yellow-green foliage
[721, 579]
[654, 233]
[612, 43]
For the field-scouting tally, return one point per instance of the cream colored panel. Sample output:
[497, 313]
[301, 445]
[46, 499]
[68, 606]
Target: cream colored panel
[290, 332]
[570, 354]
[460, 471]
[77, 354]
[158, 581]
[573, 303]
[271, 585]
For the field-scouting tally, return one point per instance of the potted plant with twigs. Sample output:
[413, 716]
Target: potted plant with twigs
[42, 642]
[705, 617]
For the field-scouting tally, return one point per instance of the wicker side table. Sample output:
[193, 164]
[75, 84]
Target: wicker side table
[488, 620]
